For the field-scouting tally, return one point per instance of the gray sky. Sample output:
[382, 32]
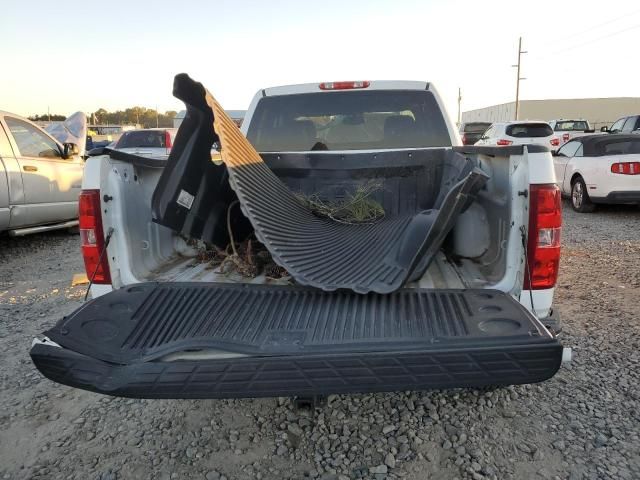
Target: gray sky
[119, 54]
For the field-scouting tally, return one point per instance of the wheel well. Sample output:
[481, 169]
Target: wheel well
[575, 177]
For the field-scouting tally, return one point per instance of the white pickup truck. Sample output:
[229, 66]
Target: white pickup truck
[452, 287]
[565, 130]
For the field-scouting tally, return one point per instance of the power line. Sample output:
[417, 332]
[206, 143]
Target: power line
[591, 28]
[589, 42]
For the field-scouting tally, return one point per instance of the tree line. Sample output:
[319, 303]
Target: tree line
[45, 117]
[146, 117]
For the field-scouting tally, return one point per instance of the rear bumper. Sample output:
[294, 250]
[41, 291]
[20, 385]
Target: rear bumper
[322, 374]
[621, 197]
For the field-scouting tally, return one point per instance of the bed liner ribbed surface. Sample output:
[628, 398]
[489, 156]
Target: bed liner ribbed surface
[146, 321]
[319, 252]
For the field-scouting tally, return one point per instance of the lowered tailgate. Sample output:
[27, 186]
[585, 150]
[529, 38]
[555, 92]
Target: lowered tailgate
[195, 340]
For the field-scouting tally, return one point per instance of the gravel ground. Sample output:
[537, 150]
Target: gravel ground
[583, 423]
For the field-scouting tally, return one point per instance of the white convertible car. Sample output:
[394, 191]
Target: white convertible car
[599, 169]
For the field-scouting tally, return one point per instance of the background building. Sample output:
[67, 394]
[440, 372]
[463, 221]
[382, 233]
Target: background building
[598, 111]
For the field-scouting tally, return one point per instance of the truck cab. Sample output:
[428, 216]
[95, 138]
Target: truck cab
[568, 129]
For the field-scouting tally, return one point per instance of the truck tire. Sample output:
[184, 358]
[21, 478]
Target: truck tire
[580, 200]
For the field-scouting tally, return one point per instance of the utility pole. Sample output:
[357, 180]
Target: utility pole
[459, 102]
[157, 117]
[518, 77]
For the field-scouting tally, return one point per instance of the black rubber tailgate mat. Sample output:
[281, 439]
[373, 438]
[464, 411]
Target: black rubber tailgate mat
[295, 375]
[280, 341]
[320, 252]
[146, 321]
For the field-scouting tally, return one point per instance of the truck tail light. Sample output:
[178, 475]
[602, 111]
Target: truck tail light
[167, 139]
[626, 168]
[555, 141]
[565, 137]
[503, 143]
[543, 247]
[344, 85]
[92, 237]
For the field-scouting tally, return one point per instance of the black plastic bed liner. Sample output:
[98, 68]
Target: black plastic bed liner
[193, 196]
[273, 340]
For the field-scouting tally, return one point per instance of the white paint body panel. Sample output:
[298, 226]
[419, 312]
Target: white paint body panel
[541, 169]
[315, 88]
[542, 301]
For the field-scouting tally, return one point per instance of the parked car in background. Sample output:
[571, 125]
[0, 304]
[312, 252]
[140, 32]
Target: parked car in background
[599, 169]
[111, 133]
[470, 132]
[523, 132]
[565, 129]
[630, 124]
[40, 177]
[147, 142]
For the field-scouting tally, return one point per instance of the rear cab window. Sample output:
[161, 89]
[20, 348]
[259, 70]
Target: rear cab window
[348, 120]
[571, 126]
[529, 130]
[142, 139]
[475, 127]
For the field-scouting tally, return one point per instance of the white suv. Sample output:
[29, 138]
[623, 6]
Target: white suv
[520, 133]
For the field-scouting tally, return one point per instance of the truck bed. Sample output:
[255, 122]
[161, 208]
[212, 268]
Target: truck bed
[441, 274]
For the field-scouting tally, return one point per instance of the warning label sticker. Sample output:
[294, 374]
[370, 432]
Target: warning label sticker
[185, 199]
